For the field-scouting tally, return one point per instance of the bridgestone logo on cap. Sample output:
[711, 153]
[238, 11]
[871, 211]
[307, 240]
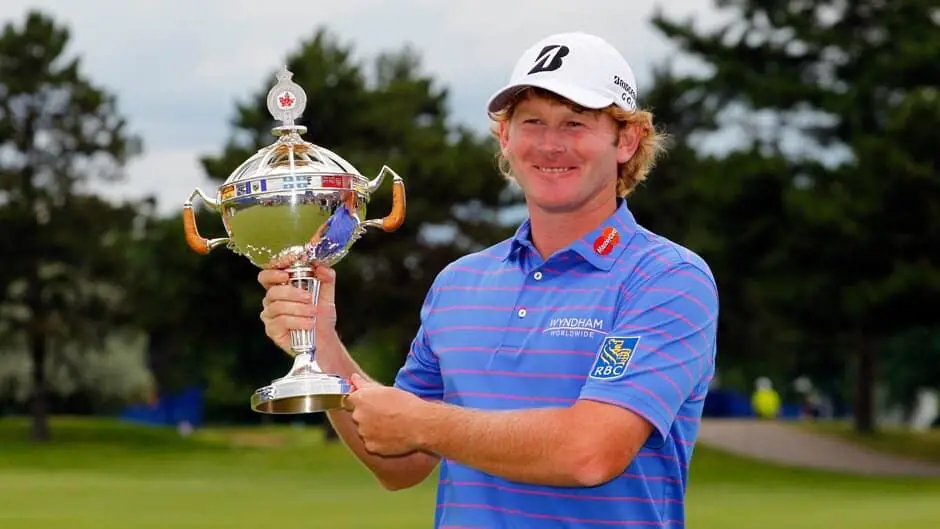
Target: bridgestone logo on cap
[549, 58]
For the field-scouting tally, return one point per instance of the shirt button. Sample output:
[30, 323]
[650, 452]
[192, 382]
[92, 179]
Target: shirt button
[522, 313]
[537, 276]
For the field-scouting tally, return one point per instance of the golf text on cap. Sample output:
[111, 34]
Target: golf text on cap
[607, 240]
[629, 94]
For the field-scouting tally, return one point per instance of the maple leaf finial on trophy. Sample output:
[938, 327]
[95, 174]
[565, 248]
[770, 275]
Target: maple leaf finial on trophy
[286, 99]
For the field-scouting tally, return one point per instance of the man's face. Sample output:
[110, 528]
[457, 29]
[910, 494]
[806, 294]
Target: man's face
[564, 159]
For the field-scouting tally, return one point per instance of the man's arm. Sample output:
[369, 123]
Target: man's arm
[287, 307]
[586, 444]
[395, 472]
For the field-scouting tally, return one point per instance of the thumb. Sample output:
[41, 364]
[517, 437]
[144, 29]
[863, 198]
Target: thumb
[327, 277]
[326, 304]
[359, 381]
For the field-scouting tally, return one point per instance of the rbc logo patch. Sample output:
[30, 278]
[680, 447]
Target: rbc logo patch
[613, 357]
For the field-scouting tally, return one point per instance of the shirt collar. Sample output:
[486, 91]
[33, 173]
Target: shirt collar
[521, 239]
[601, 247]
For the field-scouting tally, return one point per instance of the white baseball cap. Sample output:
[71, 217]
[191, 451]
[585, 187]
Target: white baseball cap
[580, 67]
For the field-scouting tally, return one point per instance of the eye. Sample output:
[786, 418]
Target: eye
[532, 121]
[575, 124]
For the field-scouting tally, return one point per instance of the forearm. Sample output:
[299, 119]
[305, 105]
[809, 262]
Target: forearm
[533, 446]
[393, 472]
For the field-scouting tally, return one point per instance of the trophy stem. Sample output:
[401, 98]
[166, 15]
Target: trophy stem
[302, 341]
[305, 388]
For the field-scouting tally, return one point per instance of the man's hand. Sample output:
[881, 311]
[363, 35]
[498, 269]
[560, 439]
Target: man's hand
[286, 307]
[384, 417]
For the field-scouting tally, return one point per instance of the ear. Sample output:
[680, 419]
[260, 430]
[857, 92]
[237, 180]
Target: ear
[628, 141]
[504, 137]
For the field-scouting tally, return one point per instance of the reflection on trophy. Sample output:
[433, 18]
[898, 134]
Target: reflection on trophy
[295, 205]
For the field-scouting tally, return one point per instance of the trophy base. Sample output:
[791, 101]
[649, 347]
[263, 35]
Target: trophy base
[296, 394]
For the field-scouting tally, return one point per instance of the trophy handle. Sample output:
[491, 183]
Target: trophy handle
[198, 243]
[393, 220]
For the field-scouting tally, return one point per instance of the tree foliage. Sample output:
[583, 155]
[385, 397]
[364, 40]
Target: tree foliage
[840, 256]
[61, 244]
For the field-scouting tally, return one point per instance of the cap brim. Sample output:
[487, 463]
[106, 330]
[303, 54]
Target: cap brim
[576, 94]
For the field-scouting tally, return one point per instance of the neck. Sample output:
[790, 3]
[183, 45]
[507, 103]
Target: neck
[552, 230]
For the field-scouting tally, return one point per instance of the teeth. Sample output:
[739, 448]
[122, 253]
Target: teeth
[554, 169]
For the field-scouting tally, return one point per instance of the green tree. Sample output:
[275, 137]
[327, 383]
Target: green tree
[849, 266]
[61, 246]
[200, 315]
[912, 363]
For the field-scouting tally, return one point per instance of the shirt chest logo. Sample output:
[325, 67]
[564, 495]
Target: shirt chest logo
[575, 327]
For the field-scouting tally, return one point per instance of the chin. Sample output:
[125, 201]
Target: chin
[556, 203]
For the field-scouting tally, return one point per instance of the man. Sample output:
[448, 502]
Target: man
[558, 377]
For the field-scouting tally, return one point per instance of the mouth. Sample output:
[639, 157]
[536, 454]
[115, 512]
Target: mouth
[554, 170]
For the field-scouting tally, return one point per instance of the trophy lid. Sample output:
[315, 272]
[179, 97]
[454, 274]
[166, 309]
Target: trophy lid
[293, 202]
[290, 164]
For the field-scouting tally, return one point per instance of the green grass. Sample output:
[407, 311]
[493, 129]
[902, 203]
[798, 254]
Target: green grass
[100, 474]
[922, 446]
[731, 493]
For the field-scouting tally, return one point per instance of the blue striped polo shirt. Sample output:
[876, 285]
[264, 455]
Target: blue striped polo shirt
[621, 316]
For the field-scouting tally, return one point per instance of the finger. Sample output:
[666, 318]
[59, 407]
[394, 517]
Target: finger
[361, 382]
[288, 309]
[270, 278]
[325, 274]
[286, 313]
[350, 401]
[327, 277]
[288, 293]
[357, 381]
[284, 324]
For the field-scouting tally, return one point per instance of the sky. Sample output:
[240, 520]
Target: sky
[178, 67]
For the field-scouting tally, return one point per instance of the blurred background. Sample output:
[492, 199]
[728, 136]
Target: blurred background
[803, 166]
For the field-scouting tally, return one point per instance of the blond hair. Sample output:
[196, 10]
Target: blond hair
[630, 174]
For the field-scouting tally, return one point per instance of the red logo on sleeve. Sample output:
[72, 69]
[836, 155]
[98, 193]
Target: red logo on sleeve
[607, 240]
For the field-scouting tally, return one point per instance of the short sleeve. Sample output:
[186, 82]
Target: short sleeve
[661, 348]
[421, 374]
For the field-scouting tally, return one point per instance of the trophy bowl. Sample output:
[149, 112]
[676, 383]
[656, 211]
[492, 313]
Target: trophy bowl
[294, 205]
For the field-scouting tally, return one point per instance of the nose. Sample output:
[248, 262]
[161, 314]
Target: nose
[552, 141]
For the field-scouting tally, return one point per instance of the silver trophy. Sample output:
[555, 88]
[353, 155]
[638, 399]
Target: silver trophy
[295, 205]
